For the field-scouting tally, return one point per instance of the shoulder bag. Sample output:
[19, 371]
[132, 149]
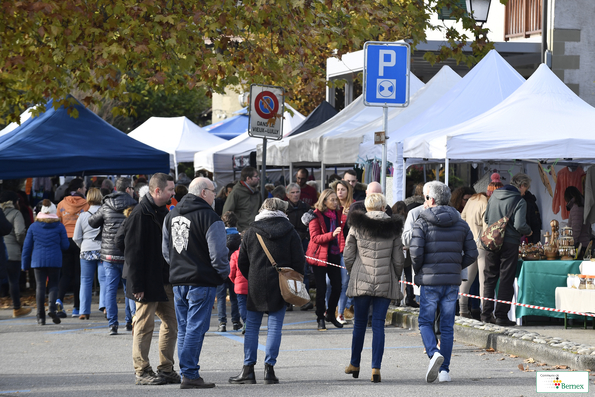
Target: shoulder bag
[291, 282]
[492, 238]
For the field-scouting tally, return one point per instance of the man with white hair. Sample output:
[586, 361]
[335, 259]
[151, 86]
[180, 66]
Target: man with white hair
[441, 246]
[195, 246]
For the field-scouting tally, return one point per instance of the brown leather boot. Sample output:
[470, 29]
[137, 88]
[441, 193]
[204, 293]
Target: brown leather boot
[375, 375]
[352, 370]
[20, 312]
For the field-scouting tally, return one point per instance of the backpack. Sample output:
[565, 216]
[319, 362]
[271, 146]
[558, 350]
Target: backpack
[492, 238]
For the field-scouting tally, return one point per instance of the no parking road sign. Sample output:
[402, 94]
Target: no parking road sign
[386, 74]
[266, 112]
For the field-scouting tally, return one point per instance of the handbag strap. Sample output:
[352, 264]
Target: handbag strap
[266, 250]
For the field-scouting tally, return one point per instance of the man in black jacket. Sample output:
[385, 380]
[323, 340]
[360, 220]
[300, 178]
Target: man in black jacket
[110, 217]
[147, 276]
[195, 246]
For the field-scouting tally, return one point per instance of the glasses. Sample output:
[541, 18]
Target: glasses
[210, 190]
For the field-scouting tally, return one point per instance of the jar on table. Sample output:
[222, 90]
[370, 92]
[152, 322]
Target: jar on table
[572, 281]
[583, 281]
[590, 283]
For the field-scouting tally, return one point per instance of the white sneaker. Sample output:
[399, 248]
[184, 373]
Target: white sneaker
[341, 319]
[435, 363]
[444, 376]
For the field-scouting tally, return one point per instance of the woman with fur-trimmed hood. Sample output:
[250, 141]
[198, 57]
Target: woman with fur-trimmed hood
[374, 259]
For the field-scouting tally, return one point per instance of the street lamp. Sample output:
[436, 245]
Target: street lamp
[478, 9]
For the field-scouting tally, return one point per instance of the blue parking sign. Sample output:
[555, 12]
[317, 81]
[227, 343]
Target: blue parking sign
[386, 74]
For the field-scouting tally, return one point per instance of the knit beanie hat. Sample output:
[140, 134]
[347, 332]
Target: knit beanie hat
[48, 210]
[495, 184]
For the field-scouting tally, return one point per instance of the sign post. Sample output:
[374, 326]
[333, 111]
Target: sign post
[386, 83]
[265, 119]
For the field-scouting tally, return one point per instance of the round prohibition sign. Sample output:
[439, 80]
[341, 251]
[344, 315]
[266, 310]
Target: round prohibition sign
[266, 104]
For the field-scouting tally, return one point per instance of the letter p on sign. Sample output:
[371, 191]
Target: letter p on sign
[383, 62]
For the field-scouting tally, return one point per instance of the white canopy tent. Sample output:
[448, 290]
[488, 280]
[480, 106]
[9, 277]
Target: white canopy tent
[543, 120]
[486, 85]
[178, 136]
[219, 159]
[14, 125]
[342, 148]
[307, 147]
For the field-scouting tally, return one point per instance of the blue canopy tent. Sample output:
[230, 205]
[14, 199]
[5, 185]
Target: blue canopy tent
[231, 127]
[54, 143]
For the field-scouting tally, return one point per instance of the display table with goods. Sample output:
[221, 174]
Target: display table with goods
[537, 283]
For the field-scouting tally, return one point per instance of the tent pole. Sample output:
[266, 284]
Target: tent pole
[290, 173]
[176, 166]
[446, 172]
[404, 189]
[322, 177]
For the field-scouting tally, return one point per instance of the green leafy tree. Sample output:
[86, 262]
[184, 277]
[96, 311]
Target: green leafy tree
[48, 48]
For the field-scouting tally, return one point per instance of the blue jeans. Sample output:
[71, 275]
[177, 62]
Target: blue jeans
[274, 326]
[193, 311]
[242, 299]
[87, 276]
[113, 275]
[344, 301]
[445, 298]
[360, 321]
[130, 306]
[222, 304]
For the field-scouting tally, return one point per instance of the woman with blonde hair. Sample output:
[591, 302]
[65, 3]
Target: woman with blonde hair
[326, 245]
[84, 237]
[374, 259]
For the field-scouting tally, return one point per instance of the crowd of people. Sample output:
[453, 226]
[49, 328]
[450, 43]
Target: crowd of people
[178, 249]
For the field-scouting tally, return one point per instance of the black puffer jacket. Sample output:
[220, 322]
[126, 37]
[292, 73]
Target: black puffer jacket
[109, 217]
[295, 213]
[438, 239]
[533, 217]
[285, 247]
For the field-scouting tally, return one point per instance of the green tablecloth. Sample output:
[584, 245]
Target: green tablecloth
[537, 281]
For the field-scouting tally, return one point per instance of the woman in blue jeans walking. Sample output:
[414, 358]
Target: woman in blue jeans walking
[84, 236]
[374, 259]
[264, 294]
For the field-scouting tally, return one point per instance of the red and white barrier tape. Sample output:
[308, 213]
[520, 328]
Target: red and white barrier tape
[549, 309]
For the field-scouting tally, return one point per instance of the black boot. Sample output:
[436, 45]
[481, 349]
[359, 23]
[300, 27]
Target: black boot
[321, 325]
[269, 375]
[245, 377]
[334, 321]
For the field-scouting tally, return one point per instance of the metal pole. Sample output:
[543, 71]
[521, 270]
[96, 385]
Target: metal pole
[290, 173]
[383, 171]
[263, 169]
[543, 30]
[446, 172]
[404, 181]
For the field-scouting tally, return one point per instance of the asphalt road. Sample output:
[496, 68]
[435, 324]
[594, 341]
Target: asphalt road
[79, 358]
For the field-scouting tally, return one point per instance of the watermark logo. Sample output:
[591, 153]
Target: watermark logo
[562, 382]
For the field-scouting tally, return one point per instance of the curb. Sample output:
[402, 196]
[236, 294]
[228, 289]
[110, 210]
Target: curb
[507, 340]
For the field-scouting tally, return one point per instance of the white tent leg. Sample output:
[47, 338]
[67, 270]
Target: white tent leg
[322, 177]
[446, 172]
[290, 173]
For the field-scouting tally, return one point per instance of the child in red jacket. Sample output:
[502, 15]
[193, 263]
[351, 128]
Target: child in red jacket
[240, 286]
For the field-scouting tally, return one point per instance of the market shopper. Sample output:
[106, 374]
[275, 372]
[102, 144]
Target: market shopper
[109, 218]
[244, 199]
[69, 210]
[501, 265]
[85, 238]
[308, 194]
[147, 275]
[194, 245]
[42, 252]
[441, 247]
[264, 293]
[374, 259]
[473, 214]
[9, 204]
[581, 231]
[326, 245]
